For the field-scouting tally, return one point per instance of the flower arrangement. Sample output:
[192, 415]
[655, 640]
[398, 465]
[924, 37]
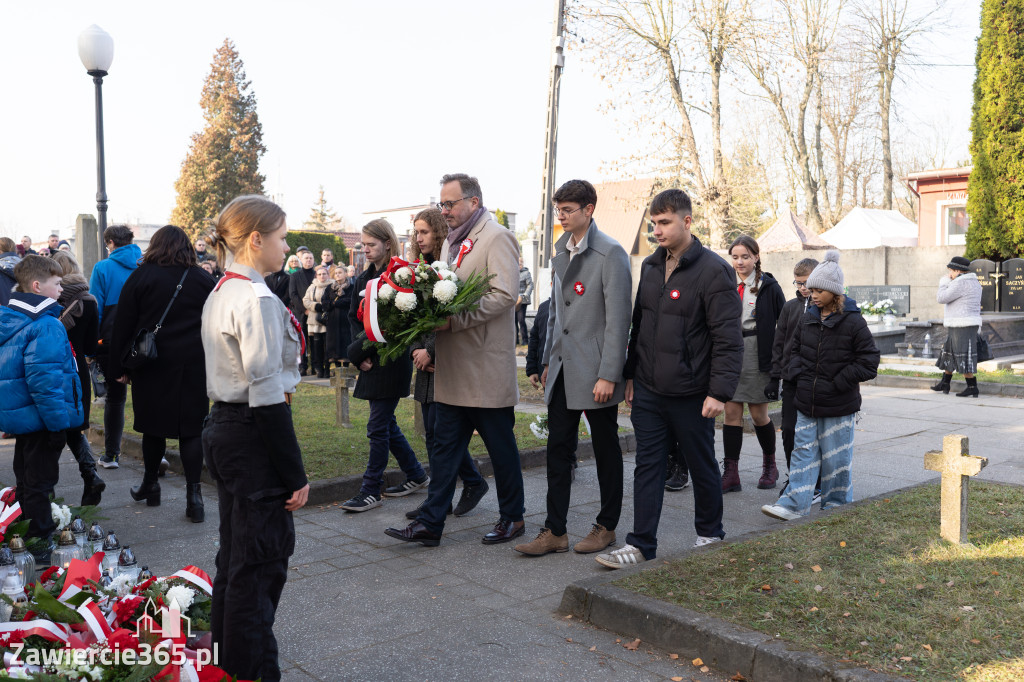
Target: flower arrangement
[539, 426]
[410, 300]
[883, 307]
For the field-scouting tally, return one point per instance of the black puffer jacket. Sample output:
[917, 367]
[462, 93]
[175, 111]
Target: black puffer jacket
[538, 336]
[686, 338]
[785, 336]
[767, 308]
[830, 359]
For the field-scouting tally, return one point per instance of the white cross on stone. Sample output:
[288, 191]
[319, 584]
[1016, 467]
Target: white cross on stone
[956, 467]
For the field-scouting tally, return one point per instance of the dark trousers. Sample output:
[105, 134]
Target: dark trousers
[304, 358]
[468, 471]
[659, 422]
[79, 446]
[257, 536]
[563, 428]
[385, 436]
[788, 418]
[113, 416]
[454, 428]
[155, 447]
[316, 352]
[36, 473]
[522, 332]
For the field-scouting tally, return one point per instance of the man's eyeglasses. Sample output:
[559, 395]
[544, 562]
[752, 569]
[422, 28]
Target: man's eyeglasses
[563, 214]
[800, 284]
[448, 205]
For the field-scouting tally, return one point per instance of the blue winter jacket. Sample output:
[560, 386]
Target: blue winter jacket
[110, 274]
[39, 386]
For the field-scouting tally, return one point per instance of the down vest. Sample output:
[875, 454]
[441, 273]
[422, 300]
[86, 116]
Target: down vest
[686, 338]
[39, 387]
[830, 359]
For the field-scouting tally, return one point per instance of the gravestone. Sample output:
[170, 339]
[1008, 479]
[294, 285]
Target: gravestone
[956, 467]
[1011, 286]
[985, 270]
[86, 243]
[342, 379]
[899, 294]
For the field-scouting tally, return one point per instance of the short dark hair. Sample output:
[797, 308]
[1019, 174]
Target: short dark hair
[7, 244]
[469, 185]
[577, 191]
[672, 201]
[121, 235]
[170, 246]
[33, 268]
[805, 267]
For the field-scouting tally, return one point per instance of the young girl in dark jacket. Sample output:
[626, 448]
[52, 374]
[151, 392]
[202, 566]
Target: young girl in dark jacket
[761, 299]
[834, 352]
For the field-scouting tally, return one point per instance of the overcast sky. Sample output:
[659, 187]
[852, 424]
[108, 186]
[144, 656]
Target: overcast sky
[373, 100]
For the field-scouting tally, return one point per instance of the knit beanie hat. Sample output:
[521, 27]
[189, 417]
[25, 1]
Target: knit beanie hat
[827, 276]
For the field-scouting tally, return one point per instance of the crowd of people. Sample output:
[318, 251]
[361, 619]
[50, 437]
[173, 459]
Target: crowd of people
[702, 337]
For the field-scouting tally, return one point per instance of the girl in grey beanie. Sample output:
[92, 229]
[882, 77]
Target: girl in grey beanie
[828, 276]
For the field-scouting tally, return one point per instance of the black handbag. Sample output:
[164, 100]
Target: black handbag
[99, 382]
[984, 352]
[143, 348]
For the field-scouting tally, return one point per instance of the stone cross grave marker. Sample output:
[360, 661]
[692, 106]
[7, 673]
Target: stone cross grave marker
[956, 467]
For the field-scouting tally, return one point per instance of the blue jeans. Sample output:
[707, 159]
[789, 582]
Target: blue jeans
[825, 443]
[454, 429]
[660, 422]
[468, 472]
[385, 436]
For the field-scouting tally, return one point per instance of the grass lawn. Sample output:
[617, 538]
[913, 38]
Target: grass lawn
[1003, 376]
[876, 586]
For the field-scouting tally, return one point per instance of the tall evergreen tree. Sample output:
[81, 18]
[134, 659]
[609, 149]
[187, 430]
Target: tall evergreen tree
[501, 218]
[322, 218]
[995, 198]
[224, 157]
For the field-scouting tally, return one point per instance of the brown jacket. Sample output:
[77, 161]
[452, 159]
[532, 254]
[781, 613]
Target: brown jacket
[475, 362]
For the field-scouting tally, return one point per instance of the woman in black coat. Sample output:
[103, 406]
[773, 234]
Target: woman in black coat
[168, 393]
[336, 301]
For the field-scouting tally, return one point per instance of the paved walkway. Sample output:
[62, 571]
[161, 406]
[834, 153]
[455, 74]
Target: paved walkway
[360, 605]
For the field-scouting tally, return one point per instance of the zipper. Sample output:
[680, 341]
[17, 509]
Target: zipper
[817, 366]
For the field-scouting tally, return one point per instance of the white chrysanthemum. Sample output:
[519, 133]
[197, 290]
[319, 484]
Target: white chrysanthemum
[403, 274]
[122, 584]
[538, 431]
[385, 292]
[181, 594]
[445, 290]
[60, 514]
[450, 276]
[439, 265]
[405, 301]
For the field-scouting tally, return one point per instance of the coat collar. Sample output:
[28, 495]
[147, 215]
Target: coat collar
[246, 271]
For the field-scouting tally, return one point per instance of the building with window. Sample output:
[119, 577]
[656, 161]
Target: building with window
[942, 218]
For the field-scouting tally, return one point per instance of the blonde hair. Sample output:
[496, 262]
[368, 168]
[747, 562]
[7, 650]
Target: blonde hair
[240, 218]
[66, 262]
[381, 230]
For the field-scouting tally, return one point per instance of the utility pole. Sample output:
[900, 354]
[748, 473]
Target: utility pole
[551, 138]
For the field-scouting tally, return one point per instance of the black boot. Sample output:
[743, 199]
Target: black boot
[943, 384]
[148, 491]
[972, 389]
[93, 491]
[194, 502]
[93, 484]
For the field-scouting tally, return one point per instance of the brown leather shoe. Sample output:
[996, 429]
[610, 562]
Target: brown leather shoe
[597, 539]
[415, 532]
[504, 531]
[545, 543]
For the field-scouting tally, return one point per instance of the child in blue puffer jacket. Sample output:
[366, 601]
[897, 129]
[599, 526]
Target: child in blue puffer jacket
[40, 393]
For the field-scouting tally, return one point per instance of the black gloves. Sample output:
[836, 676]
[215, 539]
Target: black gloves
[771, 390]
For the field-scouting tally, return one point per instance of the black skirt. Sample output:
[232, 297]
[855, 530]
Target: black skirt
[960, 351]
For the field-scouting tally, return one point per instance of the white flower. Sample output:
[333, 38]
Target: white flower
[385, 292]
[439, 265]
[405, 301]
[449, 275]
[181, 594]
[61, 515]
[538, 431]
[122, 584]
[445, 290]
[403, 274]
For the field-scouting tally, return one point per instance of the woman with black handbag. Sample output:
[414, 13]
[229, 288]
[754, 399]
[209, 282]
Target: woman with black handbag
[161, 305]
[960, 294]
[336, 301]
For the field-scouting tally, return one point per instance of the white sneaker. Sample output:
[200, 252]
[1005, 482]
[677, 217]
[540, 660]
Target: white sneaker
[702, 541]
[621, 558]
[779, 512]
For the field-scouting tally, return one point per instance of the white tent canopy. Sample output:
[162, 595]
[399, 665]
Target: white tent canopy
[866, 228]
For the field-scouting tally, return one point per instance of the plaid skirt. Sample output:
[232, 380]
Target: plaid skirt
[960, 352]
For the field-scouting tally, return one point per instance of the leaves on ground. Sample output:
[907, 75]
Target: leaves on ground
[697, 662]
[632, 646]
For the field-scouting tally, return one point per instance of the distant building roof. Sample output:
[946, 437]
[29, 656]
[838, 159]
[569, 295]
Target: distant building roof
[936, 173]
[789, 234]
[622, 208]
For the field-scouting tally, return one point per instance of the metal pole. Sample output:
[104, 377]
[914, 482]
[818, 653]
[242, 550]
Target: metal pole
[101, 178]
[551, 138]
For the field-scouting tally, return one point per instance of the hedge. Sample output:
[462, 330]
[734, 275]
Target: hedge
[317, 242]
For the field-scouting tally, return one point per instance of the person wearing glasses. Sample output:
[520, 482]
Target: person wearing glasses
[475, 384]
[782, 352]
[585, 349]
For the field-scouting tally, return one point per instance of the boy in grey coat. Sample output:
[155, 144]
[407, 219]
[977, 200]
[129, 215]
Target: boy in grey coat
[585, 350]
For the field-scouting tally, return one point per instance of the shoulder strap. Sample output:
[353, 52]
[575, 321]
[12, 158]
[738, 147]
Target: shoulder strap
[177, 289]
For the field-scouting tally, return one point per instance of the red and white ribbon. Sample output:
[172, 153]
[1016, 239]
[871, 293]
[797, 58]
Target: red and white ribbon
[464, 248]
[197, 577]
[9, 512]
[369, 306]
[47, 629]
[95, 619]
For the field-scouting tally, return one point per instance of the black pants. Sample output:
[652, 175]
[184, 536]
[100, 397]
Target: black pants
[316, 352]
[36, 473]
[788, 418]
[468, 471]
[113, 415]
[304, 358]
[659, 422]
[257, 536]
[522, 332]
[79, 446]
[155, 447]
[563, 428]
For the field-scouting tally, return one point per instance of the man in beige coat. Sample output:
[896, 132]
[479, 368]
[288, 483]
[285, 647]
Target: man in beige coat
[475, 368]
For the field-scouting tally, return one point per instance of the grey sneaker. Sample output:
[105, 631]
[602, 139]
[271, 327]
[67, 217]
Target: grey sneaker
[361, 503]
[108, 462]
[410, 486]
[621, 558]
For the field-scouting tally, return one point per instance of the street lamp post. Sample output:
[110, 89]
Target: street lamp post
[96, 50]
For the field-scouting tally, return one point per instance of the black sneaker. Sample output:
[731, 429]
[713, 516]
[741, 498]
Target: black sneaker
[471, 497]
[361, 503]
[677, 480]
[108, 462]
[410, 486]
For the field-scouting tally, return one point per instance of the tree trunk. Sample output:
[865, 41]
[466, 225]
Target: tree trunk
[884, 104]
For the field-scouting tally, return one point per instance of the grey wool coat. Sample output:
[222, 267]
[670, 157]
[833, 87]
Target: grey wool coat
[588, 324]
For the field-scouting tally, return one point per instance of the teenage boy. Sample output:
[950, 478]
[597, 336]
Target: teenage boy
[683, 365]
[782, 351]
[585, 349]
[40, 394]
